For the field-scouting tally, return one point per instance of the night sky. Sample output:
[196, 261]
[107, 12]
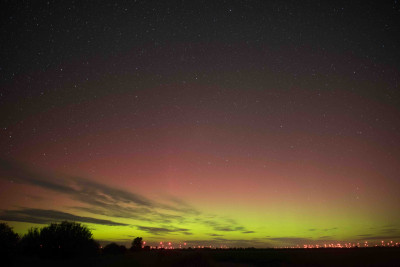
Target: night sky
[234, 123]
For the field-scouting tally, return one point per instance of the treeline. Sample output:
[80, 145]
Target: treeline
[57, 240]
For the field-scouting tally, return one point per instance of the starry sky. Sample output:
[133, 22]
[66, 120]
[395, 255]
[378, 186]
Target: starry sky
[223, 123]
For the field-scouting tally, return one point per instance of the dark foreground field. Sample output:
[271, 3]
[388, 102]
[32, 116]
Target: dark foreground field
[265, 257]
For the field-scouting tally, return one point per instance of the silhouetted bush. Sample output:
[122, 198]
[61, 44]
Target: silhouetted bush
[137, 244]
[60, 240]
[114, 249]
[67, 239]
[8, 240]
[30, 243]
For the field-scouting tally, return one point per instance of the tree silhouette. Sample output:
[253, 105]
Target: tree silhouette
[30, 242]
[60, 240]
[67, 239]
[137, 244]
[8, 240]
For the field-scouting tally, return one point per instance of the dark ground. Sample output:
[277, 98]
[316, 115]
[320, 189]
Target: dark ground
[259, 257]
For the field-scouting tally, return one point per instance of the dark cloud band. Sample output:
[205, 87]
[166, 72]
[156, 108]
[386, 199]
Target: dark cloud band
[41, 216]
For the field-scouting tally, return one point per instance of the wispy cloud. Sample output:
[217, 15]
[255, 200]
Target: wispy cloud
[329, 229]
[385, 232]
[322, 230]
[41, 216]
[215, 235]
[162, 230]
[391, 231]
[82, 189]
[365, 235]
[227, 225]
[100, 199]
[228, 228]
[97, 198]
